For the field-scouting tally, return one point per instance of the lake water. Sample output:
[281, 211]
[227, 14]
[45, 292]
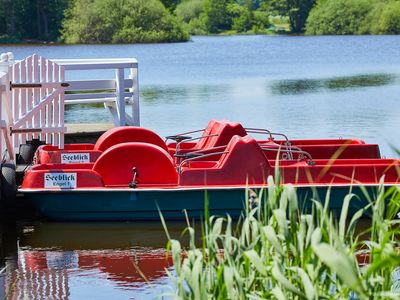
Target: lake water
[303, 86]
[306, 87]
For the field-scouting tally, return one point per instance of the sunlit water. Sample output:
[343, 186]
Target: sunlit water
[303, 86]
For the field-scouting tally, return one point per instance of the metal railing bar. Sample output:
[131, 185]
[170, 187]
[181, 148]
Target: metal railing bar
[191, 140]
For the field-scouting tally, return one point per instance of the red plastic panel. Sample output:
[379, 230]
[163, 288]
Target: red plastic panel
[84, 178]
[67, 147]
[244, 163]
[153, 164]
[42, 152]
[350, 151]
[126, 134]
[343, 151]
[323, 142]
[79, 166]
[341, 172]
[62, 156]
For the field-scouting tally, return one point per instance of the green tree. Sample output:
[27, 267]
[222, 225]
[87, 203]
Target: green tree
[190, 13]
[275, 7]
[339, 17]
[189, 10]
[25, 19]
[170, 4]
[260, 20]
[298, 11]
[217, 16]
[242, 17]
[389, 21]
[114, 21]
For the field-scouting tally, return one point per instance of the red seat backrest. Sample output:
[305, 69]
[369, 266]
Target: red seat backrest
[242, 151]
[223, 131]
[243, 163]
[127, 134]
[207, 131]
[153, 164]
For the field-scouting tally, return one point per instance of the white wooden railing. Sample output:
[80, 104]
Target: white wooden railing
[33, 93]
[120, 90]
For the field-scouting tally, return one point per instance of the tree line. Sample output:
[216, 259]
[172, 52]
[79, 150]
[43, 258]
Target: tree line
[144, 21]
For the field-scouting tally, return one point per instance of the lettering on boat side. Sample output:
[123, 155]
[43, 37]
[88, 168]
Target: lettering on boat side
[60, 180]
[71, 158]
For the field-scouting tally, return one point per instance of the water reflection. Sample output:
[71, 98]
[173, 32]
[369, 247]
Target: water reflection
[301, 86]
[87, 113]
[90, 260]
[182, 93]
[8, 258]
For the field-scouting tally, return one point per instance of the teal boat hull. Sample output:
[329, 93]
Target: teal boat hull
[131, 205]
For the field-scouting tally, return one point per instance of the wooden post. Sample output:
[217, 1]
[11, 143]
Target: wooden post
[6, 112]
[135, 97]
[120, 95]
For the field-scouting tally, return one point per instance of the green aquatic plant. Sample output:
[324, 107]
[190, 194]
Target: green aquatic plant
[278, 251]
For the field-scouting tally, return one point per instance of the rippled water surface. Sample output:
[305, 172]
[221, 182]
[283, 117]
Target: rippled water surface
[303, 86]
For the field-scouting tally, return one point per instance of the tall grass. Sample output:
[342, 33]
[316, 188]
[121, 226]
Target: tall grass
[276, 251]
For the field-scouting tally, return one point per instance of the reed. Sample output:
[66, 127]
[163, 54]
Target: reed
[277, 251]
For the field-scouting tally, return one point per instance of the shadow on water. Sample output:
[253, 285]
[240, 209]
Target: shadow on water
[302, 86]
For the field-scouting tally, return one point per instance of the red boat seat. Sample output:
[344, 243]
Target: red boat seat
[243, 162]
[47, 154]
[127, 134]
[217, 133]
[223, 131]
[154, 165]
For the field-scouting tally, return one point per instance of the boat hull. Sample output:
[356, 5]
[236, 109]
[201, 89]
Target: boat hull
[145, 204]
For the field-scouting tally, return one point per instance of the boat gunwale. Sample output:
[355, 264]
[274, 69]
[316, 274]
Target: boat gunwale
[197, 188]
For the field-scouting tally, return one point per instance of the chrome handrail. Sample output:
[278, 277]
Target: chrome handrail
[271, 134]
[260, 131]
[284, 136]
[305, 153]
[200, 151]
[177, 148]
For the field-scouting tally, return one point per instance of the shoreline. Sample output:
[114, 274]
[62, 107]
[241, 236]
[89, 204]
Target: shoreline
[223, 34]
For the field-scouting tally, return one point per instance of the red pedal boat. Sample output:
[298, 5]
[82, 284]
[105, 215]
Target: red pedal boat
[130, 173]
[213, 138]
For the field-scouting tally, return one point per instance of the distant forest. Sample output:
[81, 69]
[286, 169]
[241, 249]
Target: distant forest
[149, 21]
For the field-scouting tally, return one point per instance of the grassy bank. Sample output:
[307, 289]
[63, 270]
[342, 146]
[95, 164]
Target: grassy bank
[276, 251]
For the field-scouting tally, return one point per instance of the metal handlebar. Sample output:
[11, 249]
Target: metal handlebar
[182, 134]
